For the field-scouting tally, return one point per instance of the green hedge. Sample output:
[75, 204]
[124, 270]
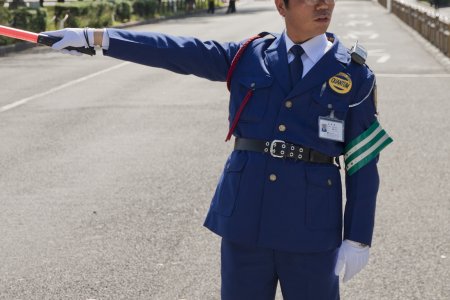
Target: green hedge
[23, 18]
[145, 8]
[5, 16]
[15, 4]
[29, 19]
[123, 11]
[82, 14]
[92, 13]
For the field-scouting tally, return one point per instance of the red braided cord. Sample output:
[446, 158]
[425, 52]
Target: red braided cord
[238, 114]
[237, 57]
[249, 94]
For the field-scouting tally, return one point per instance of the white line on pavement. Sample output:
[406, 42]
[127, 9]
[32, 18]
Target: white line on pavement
[55, 89]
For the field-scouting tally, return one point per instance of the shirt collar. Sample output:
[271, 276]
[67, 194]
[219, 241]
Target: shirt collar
[314, 48]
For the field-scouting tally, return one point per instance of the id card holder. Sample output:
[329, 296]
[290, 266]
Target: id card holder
[331, 128]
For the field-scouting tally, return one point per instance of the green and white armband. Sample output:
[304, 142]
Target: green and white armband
[365, 147]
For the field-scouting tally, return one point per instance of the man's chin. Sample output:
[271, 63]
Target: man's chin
[322, 26]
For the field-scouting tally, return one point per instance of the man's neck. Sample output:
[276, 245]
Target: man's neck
[298, 39]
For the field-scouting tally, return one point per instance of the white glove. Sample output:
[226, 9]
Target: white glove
[353, 257]
[73, 37]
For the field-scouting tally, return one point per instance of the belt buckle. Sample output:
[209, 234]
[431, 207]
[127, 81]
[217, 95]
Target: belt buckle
[272, 148]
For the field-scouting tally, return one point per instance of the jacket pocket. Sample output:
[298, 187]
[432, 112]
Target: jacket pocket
[228, 188]
[323, 197]
[257, 105]
[324, 101]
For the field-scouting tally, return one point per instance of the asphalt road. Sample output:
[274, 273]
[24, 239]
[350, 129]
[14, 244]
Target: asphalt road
[107, 168]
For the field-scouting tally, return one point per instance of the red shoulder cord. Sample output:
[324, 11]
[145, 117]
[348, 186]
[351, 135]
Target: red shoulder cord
[230, 74]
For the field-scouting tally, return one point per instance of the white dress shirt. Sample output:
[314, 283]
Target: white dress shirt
[314, 49]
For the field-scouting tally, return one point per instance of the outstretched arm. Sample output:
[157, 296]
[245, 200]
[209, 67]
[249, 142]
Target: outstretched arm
[183, 55]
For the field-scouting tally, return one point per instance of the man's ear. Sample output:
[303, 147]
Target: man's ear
[281, 7]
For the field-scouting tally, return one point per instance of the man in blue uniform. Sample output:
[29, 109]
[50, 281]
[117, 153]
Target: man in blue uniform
[298, 101]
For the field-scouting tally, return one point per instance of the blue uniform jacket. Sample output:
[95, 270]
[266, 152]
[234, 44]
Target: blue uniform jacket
[301, 210]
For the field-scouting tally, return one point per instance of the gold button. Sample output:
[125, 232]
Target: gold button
[288, 104]
[273, 177]
[282, 128]
[329, 182]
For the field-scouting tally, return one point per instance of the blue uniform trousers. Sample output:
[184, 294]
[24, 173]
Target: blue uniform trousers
[252, 273]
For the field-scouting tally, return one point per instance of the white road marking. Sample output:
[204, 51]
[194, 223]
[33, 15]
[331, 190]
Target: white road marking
[356, 35]
[383, 59]
[386, 75]
[380, 53]
[58, 88]
[358, 16]
[358, 23]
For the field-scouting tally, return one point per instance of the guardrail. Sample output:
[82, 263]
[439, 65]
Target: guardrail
[432, 26]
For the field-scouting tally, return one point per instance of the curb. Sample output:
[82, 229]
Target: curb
[17, 47]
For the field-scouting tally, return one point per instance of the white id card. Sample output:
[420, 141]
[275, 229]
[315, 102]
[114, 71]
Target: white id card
[331, 129]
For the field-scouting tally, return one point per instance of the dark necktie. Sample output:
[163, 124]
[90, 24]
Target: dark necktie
[296, 66]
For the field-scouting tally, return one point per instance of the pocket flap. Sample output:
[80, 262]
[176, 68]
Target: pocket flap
[329, 98]
[326, 177]
[256, 82]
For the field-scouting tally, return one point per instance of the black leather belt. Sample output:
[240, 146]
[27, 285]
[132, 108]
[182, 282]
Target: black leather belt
[281, 149]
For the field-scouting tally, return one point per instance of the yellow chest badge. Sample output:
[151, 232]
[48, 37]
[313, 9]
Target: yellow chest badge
[340, 83]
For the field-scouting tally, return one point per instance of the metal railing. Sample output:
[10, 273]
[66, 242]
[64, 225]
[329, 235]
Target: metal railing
[432, 26]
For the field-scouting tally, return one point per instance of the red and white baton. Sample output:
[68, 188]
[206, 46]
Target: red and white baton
[39, 38]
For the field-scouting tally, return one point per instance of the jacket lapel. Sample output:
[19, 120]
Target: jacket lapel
[276, 60]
